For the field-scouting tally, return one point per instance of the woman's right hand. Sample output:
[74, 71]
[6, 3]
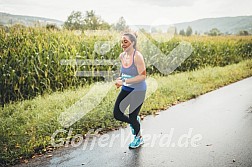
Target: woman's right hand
[116, 83]
[119, 82]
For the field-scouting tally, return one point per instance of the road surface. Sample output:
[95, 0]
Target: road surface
[214, 129]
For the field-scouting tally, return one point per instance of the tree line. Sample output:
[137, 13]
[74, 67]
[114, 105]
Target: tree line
[90, 21]
[212, 32]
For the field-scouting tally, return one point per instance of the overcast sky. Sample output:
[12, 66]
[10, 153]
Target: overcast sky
[151, 12]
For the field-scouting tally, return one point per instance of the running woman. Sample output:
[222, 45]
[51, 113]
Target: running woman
[133, 87]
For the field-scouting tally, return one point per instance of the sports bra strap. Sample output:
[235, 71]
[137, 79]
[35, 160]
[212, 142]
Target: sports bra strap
[133, 61]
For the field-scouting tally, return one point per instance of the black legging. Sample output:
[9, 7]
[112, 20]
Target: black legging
[125, 98]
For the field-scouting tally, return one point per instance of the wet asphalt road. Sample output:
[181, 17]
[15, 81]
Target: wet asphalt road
[214, 129]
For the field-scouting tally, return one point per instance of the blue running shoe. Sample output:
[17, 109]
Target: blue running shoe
[131, 127]
[137, 142]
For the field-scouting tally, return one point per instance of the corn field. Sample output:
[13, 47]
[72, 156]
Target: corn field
[30, 58]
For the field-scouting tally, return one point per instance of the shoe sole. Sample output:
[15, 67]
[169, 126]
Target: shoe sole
[137, 146]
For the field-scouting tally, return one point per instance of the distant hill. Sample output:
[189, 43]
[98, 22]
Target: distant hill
[9, 19]
[230, 25]
[224, 24]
